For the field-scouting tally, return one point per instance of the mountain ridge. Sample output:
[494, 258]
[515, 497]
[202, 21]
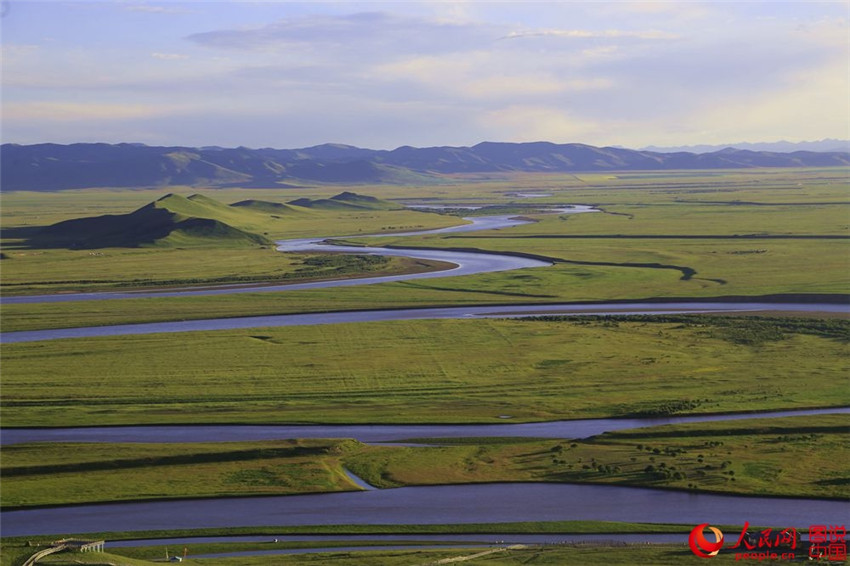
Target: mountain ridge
[49, 167]
[824, 145]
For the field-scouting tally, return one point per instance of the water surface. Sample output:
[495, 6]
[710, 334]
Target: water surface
[476, 503]
[366, 433]
[500, 311]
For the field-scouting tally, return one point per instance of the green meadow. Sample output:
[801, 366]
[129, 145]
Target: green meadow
[430, 371]
[794, 456]
[791, 456]
[696, 234]
[125, 269]
[555, 555]
[197, 240]
[701, 234]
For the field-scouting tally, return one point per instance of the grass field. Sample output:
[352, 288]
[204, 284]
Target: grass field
[555, 555]
[699, 234]
[792, 456]
[429, 371]
[125, 269]
[787, 457]
[39, 474]
[183, 259]
[669, 234]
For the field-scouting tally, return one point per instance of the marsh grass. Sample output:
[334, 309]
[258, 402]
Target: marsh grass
[792, 456]
[739, 232]
[423, 371]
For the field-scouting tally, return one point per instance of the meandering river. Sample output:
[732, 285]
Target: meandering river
[467, 263]
[433, 504]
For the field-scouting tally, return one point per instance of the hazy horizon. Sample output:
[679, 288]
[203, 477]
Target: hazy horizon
[385, 75]
[660, 149]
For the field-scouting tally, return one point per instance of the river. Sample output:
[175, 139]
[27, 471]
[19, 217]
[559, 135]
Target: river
[467, 263]
[367, 433]
[470, 312]
[472, 503]
[410, 505]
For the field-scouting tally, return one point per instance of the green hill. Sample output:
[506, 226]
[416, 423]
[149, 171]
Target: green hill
[347, 201]
[267, 207]
[173, 220]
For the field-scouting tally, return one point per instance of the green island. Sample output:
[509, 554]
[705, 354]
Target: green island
[769, 457]
[764, 235]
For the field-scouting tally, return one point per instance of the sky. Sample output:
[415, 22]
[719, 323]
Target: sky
[387, 74]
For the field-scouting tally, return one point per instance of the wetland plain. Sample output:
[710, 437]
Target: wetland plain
[769, 236]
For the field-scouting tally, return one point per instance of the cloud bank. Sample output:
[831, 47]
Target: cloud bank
[287, 75]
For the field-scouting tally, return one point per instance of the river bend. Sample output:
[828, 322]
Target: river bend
[409, 505]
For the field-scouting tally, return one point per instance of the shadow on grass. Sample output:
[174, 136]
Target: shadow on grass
[470, 290]
[234, 456]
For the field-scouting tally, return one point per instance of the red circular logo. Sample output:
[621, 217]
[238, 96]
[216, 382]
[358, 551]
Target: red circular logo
[701, 546]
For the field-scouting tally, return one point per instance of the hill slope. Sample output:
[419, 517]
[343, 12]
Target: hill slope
[47, 167]
[346, 201]
[173, 220]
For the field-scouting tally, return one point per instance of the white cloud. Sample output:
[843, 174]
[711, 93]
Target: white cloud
[486, 76]
[814, 105]
[169, 56]
[631, 73]
[539, 123]
[594, 34]
[690, 10]
[82, 111]
[156, 9]
[376, 35]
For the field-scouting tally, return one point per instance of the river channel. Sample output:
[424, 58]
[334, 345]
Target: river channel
[467, 263]
[367, 433]
[501, 311]
[475, 503]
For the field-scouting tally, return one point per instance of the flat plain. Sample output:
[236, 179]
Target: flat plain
[440, 371]
[752, 233]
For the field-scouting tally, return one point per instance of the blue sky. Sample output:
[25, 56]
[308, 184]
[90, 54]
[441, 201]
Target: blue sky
[386, 74]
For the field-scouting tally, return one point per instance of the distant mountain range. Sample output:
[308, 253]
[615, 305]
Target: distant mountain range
[50, 167]
[828, 144]
[196, 220]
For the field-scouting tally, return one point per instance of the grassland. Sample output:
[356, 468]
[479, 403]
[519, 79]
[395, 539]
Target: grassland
[694, 234]
[784, 457]
[709, 234]
[791, 456]
[556, 555]
[196, 240]
[124, 269]
[38, 474]
[428, 371]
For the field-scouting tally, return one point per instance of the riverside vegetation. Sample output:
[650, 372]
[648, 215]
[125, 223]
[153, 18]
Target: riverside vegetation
[662, 234]
[430, 371]
[757, 456]
[720, 234]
